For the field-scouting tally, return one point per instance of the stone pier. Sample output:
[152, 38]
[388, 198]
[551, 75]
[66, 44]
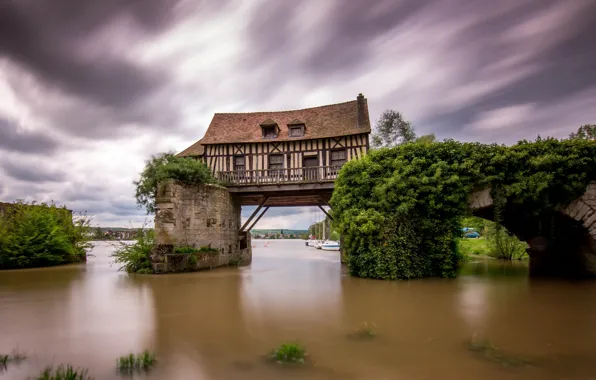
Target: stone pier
[198, 216]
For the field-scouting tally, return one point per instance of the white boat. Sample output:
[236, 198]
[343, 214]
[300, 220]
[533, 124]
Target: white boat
[311, 243]
[330, 245]
[319, 244]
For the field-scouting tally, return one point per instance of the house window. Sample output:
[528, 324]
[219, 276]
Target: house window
[338, 157]
[297, 130]
[269, 131]
[239, 163]
[276, 161]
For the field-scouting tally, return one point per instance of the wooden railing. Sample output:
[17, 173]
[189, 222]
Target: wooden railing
[312, 174]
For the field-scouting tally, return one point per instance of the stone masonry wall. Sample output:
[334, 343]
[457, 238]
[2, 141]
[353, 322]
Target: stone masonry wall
[583, 210]
[199, 216]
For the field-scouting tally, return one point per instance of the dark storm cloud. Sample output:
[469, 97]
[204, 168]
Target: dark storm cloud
[564, 68]
[56, 43]
[345, 43]
[27, 171]
[47, 39]
[26, 141]
[562, 59]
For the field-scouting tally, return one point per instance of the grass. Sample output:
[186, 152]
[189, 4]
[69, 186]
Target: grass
[485, 350]
[186, 250]
[192, 250]
[477, 246]
[64, 372]
[15, 357]
[132, 362]
[289, 353]
[482, 247]
[366, 331]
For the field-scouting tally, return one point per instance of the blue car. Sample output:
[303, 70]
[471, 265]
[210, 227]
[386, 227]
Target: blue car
[472, 235]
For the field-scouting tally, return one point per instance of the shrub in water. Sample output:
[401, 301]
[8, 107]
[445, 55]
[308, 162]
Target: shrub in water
[15, 357]
[136, 257]
[289, 353]
[38, 235]
[366, 331]
[484, 349]
[131, 362]
[64, 373]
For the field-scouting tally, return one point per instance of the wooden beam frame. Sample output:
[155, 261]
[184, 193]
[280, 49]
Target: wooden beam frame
[326, 213]
[254, 213]
[257, 220]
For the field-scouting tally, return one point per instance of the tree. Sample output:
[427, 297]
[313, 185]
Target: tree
[585, 132]
[164, 166]
[427, 139]
[392, 129]
[505, 245]
[99, 234]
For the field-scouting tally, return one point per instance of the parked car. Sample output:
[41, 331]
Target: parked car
[472, 235]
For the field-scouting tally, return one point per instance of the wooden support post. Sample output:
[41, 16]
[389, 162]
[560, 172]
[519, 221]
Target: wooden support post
[326, 213]
[257, 220]
[254, 213]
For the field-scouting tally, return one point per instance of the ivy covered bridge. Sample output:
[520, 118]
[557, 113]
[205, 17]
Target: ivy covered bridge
[400, 209]
[564, 244]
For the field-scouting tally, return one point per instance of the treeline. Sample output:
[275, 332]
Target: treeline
[106, 233]
[316, 229]
[39, 235]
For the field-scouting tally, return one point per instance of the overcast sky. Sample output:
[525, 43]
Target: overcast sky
[90, 89]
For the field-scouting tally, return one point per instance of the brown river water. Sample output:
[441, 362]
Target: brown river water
[220, 324]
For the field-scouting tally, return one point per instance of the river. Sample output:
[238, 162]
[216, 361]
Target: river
[219, 324]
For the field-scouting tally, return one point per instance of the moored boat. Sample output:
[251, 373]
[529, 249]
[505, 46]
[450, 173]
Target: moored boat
[330, 246]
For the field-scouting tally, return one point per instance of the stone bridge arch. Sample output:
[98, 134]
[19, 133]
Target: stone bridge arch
[564, 245]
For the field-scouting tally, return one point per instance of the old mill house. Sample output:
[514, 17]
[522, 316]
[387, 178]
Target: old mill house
[284, 147]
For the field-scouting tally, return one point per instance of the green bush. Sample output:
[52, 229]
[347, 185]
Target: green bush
[64, 373]
[38, 235]
[166, 166]
[289, 353]
[186, 250]
[209, 250]
[132, 362]
[400, 209]
[136, 257]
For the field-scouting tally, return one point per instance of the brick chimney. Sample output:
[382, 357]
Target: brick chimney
[362, 110]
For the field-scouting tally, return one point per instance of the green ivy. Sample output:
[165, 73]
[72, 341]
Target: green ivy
[400, 209]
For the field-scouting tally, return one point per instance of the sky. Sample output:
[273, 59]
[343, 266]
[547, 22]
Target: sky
[90, 89]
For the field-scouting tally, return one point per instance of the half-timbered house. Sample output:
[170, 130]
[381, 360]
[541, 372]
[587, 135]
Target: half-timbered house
[264, 152]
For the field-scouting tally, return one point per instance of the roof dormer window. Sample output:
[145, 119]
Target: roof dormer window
[269, 132]
[269, 129]
[296, 128]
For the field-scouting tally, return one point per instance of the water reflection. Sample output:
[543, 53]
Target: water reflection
[219, 324]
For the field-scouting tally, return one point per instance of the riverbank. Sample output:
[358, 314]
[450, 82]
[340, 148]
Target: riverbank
[479, 247]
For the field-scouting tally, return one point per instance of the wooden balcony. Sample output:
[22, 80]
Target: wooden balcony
[306, 175]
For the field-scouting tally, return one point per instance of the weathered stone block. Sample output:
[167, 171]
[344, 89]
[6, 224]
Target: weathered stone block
[590, 221]
[198, 216]
[583, 210]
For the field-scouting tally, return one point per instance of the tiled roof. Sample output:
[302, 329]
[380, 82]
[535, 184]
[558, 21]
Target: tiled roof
[326, 121]
[195, 149]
